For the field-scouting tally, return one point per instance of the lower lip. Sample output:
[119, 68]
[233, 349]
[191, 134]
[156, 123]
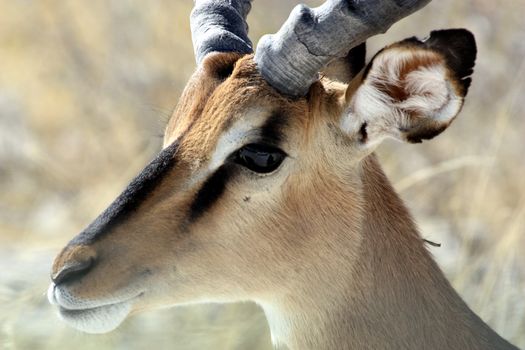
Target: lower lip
[97, 320]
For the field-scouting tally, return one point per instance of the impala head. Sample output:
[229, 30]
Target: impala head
[259, 167]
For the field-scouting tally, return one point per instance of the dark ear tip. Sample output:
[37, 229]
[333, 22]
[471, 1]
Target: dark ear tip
[466, 83]
[458, 46]
[456, 32]
[458, 38]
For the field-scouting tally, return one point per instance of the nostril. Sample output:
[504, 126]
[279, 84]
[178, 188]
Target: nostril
[73, 263]
[73, 270]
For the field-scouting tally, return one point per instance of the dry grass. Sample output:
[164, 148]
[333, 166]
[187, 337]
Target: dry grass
[84, 90]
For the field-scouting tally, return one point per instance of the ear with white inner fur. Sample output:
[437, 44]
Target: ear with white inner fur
[412, 90]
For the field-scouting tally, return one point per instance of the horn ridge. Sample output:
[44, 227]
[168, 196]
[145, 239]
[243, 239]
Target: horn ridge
[290, 59]
[220, 26]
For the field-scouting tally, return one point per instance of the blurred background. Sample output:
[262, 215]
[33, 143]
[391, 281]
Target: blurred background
[87, 87]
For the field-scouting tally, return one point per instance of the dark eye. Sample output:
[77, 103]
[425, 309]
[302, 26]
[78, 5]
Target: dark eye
[260, 158]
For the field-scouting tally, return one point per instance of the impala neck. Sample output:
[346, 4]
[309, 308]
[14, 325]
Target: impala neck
[395, 298]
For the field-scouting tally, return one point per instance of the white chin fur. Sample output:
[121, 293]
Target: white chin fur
[101, 319]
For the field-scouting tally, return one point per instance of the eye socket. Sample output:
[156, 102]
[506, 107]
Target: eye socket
[259, 158]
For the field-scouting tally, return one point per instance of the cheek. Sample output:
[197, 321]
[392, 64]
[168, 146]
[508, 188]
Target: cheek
[242, 228]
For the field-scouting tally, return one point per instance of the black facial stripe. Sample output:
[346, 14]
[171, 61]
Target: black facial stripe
[273, 129]
[271, 132]
[131, 197]
[211, 190]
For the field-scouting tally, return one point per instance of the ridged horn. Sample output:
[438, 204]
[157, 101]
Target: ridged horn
[312, 37]
[220, 26]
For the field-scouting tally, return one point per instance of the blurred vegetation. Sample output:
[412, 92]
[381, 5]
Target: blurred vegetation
[85, 90]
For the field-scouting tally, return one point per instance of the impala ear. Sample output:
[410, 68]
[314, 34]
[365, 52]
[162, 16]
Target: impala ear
[411, 90]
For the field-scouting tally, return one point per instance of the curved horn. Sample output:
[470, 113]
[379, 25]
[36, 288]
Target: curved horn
[220, 25]
[310, 38]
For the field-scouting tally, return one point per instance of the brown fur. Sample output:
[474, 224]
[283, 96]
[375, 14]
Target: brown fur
[324, 245]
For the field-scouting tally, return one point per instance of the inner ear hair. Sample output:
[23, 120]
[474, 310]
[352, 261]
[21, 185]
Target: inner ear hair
[456, 46]
[411, 90]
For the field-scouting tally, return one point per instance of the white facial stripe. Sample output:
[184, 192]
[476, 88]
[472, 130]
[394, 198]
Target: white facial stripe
[240, 133]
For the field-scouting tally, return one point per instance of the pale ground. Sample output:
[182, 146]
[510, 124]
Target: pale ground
[85, 88]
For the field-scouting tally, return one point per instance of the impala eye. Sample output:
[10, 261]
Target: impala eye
[260, 158]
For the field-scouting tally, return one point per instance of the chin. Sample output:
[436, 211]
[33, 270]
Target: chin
[95, 317]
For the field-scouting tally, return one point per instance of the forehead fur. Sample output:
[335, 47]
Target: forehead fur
[225, 89]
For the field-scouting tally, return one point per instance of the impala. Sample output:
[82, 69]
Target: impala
[267, 188]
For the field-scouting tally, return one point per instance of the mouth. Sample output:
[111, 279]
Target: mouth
[90, 317]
